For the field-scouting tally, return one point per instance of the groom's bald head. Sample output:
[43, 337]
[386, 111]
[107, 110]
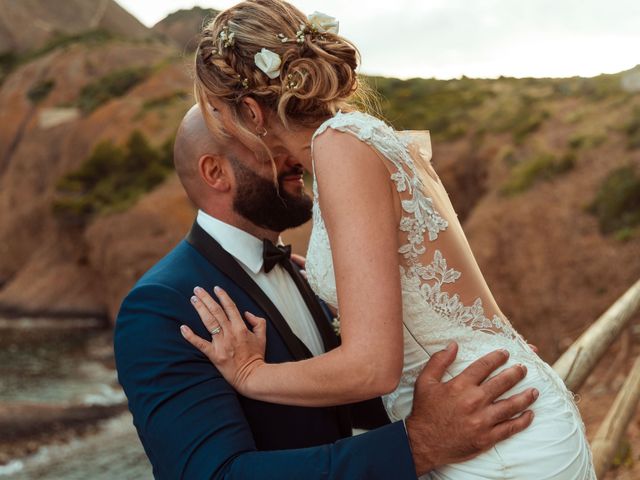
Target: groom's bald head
[194, 141]
[227, 180]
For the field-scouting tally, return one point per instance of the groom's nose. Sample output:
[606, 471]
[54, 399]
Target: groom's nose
[292, 163]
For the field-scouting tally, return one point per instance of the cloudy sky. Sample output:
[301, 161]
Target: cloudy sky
[476, 38]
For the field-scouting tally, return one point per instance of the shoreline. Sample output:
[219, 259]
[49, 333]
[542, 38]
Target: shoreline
[25, 428]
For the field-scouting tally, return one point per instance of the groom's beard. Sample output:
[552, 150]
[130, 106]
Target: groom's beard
[262, 204]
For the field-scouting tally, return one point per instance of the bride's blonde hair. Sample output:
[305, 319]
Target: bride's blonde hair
[317, 75]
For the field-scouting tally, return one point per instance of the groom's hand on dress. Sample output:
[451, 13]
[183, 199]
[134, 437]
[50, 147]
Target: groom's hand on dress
[456, 420]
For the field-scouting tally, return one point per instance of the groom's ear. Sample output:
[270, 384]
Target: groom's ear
[215, 172]
[252, 113]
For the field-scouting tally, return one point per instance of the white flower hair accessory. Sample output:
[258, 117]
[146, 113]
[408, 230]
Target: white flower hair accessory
[269, 62]
[323, 23]
[227, 37]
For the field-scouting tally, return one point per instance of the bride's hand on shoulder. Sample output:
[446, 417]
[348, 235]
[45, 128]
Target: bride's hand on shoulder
[234, 349]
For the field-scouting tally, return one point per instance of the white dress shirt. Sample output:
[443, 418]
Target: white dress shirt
[277, 284]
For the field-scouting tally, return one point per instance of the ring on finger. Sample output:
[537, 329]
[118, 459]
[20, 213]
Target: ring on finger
[215, 331]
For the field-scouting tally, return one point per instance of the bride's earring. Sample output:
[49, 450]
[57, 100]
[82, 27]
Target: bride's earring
[262, 133]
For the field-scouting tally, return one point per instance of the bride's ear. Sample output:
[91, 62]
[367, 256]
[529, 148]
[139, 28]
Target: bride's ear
[253, 113]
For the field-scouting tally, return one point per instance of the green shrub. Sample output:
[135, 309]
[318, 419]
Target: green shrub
[617, 201]
[40, 90]
[528, 123]
[515, 113]
[625, 234]
[541, 167]
[585, 141]
[632, 129]
[602, 86]
[594, 88]
[112, 178]
[113, 85]
[507, 155]
[164, 100]
[8, 61]
[91, 37]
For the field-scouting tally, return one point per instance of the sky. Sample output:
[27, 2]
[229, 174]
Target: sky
[476, 38]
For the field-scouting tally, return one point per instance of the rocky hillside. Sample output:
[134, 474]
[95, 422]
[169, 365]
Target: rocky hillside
[27, 25]
[544, 172]
[56, 108]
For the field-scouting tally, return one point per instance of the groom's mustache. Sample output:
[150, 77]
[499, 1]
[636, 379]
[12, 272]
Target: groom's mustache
[296, 171]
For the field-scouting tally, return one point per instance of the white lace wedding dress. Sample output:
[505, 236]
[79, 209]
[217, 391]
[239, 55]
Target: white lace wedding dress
[445, 297]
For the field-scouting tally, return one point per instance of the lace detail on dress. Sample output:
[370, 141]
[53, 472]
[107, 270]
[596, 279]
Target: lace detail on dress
[421, 218]
[446, 305]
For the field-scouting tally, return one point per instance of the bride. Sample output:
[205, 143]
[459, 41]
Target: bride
[386, 249]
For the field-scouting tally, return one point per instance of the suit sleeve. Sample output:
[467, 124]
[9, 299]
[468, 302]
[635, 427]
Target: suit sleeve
[189, 418]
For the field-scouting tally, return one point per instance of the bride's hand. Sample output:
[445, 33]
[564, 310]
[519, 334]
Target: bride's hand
[234, 349]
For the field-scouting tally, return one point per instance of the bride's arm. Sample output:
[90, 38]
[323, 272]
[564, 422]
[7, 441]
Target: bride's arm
[357, 200]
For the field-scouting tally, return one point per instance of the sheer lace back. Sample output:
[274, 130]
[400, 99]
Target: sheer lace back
[444, 295]
[439, 273]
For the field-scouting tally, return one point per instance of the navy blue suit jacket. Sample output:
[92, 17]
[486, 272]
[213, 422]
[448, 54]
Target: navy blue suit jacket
[194, 425]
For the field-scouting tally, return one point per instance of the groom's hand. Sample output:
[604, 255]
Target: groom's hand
[456, 420]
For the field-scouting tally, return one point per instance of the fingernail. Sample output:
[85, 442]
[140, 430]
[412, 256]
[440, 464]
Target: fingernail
[535, 394]
[194, 299]
[197, 290]
[217, 290]
[505, 352]
[449, 347]
[523, 367]
[183, 330]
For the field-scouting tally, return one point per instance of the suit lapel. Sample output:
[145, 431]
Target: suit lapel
[228, 265]
[224, 261]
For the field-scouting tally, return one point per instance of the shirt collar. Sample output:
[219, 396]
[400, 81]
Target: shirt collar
[243, 246]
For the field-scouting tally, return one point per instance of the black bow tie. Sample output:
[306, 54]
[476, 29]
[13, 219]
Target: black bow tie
[275, 254]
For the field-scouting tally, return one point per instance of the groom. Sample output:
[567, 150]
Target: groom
[193, 425]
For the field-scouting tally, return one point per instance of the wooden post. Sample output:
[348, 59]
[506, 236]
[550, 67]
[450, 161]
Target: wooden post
[575, 365]
[607, 439]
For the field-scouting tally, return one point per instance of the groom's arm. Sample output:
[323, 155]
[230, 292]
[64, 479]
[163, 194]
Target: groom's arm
[191, 423]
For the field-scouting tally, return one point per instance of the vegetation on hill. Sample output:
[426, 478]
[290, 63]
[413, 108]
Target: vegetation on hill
[617, 202]
[632, 128]
[40, 90]
[113, 85]
[442, 106]
[112, 178]
[450, 109]
[8, 61]
[540, 167]
[166, 100]
[89, 37]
